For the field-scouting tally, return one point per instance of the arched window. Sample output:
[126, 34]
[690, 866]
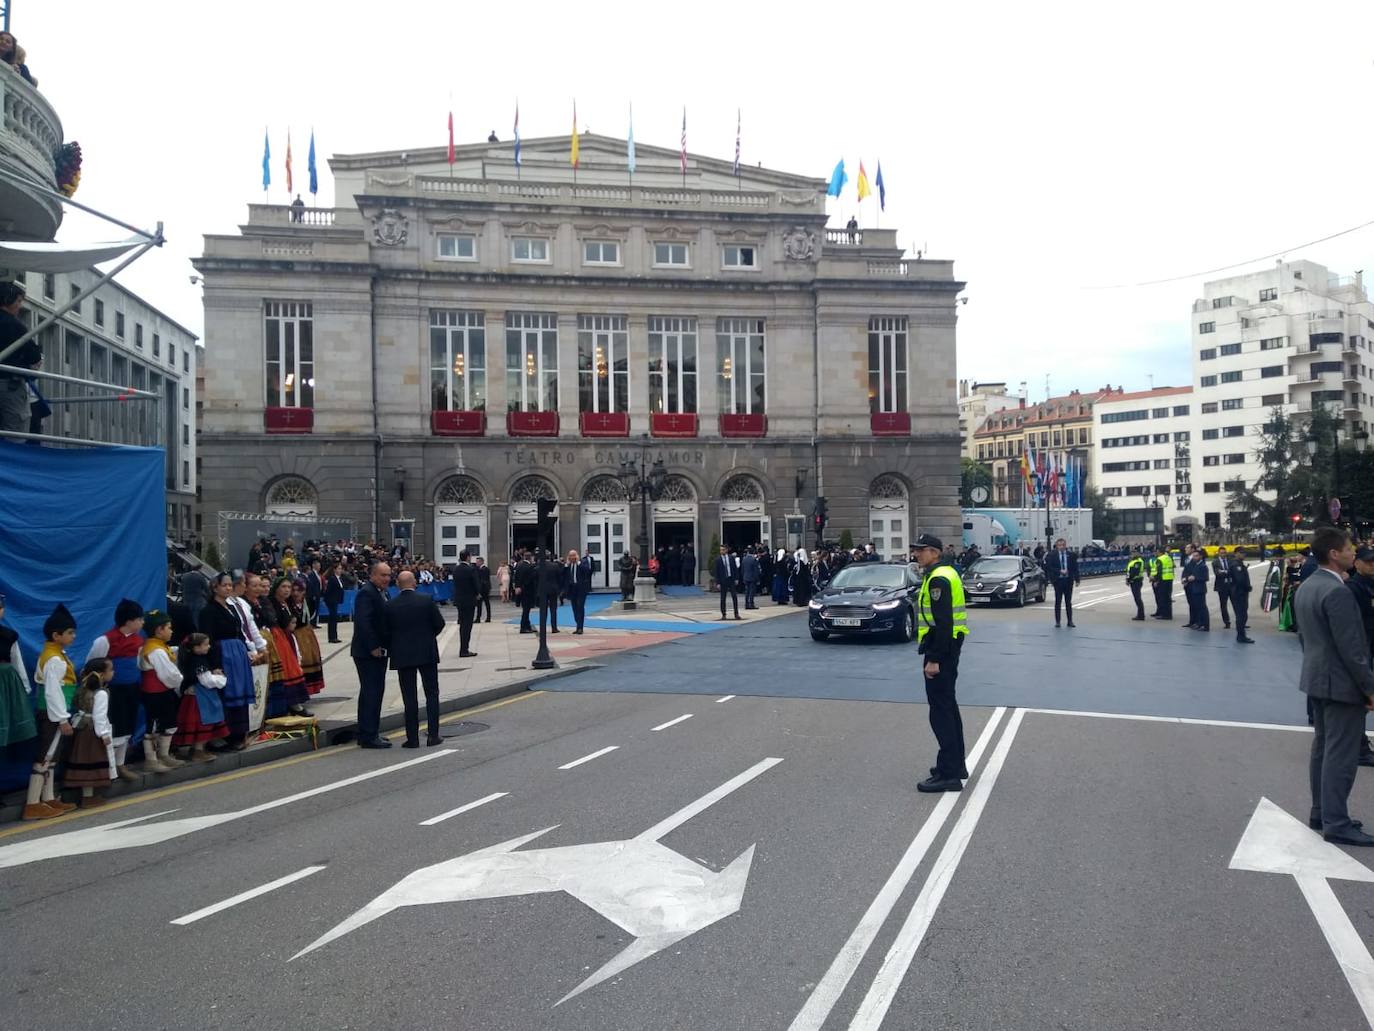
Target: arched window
[531, 489]
[741, 488]
[605, 490]
[460, 490]
[293, 496]
[677, 488]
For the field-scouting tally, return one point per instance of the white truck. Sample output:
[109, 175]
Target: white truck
[990, 528]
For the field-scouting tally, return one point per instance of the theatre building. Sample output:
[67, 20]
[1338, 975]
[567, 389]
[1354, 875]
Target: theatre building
[454, 342]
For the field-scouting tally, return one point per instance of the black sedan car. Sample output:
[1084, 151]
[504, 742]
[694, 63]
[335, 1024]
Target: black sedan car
[1013, 579]
[866, 598]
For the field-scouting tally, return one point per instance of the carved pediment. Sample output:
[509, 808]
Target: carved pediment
[530, 227]
[601, 231]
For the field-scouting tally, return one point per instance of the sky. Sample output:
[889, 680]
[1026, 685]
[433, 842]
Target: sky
[1059, 154]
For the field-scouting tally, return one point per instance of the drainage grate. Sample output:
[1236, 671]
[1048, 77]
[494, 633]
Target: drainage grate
[507, 669]
[454, 669]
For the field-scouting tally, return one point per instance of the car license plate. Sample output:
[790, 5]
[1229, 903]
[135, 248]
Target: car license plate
[846, 622]
[976, 598]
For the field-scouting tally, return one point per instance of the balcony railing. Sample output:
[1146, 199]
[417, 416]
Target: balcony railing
[458, 424]
[673, 424]
[597, 193]
[604, 424]
[288, 420]
[532, 424]
[30, 135]
[286, 215]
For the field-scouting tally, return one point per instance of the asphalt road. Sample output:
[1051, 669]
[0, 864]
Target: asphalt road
[1082, 880]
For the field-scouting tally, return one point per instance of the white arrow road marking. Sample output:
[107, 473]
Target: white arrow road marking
[1275, 842]
[643, 887]
[136, 833]
[252, 893]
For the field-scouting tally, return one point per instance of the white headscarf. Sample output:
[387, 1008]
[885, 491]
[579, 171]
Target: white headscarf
[782, 554]
[801, 556]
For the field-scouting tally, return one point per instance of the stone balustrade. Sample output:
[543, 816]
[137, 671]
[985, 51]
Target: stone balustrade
[285, 214]
[30, 135]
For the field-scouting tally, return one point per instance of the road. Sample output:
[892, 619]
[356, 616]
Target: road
[722, 832]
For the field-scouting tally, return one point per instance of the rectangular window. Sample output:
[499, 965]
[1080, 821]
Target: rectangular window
[157, 346]
[1230, 349]
[185, 435]
[50, 286]
[456, 247]
[1207, 354]
[1271, 371]
[1162, 463]
[1180, 410]
[186, 360]
[1211, 460]
[672, 365]
[457, 361]
[887, 364]
[186, 474]
[1233, 459]
[1271, 343]
[603, 364]
[737, 256]
[1209, 407]
[76, 292]
[1269, 400]
[1233, 431]
[186, 397]
[99, 312]
[1181, 437]
[1269, 293]
[1317, 339]
[138, 335]
[531, 362]
[1207, 327]
[600, 252]
[739, 349]
[1160, 413]
[1231, 377]
[1211, 488]
[1161, 438]
[1322, 396]
[1208, 381]
[530, 249]
[1233, 485]
[1221, 302]
[1211, 434]
[290, 354]
[172, 355]
[1133, 416]
[1124, 467]
[674, 255]
[1231, 404]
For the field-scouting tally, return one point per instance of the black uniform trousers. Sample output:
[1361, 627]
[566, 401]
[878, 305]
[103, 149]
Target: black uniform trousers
[1240, 607]
[526, 603]
[333, 621]
[466, 610]
[429, 677]
[1135, 594]
[578, 601]
[550, 606]
[1224, 596]
[1198, 615]
[1063, 594]
[371, 687]
[732, 587]
[483, 605]
[1164, 599]
[945, 721]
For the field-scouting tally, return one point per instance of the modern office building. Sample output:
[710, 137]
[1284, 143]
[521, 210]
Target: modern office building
[976, 400]
[1142, 461]
[454, 342]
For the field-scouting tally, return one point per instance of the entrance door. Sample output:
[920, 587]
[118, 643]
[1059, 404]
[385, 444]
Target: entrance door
[888, 526]
[458, 528]
[675, 523]
[741, 533]
[605, 531]
[523, 526]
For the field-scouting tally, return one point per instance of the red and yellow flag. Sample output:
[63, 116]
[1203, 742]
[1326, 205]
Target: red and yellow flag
[864, 189]
[573, 155]
[289, 187]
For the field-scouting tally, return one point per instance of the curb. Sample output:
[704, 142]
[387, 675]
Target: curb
[331, 734]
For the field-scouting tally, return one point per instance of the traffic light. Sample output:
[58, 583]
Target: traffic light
[819, 516]
[1296, 519]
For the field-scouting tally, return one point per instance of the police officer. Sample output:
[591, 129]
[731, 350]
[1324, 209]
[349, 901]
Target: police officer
[942, 626]
[1164, 586]
[1135, 576]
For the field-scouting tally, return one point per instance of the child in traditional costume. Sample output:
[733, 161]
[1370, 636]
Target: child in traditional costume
[56, 691]
[161, 678]
[308, 644]
[200, 718]
[16, 711]
[90, 765]
[122, 645]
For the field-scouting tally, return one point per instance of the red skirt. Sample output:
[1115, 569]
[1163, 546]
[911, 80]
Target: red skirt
[190, 729]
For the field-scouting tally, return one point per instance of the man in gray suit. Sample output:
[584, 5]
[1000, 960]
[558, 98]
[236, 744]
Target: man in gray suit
[1336, 677]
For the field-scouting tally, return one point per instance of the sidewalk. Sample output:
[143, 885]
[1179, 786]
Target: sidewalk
[500, 668]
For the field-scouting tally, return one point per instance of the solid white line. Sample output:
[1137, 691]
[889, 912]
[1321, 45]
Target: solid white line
[219, 907]
[463, 809]
[725, 699]
[881, 992]
[589, 758]
[706, 801]
[1099, 601]
[665, 726]
[1349, 948]
[832, 985]
[1173, 719]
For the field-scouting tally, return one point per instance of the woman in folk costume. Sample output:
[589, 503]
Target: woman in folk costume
[285, 680]
[161, 678]
[56, 690]
[308, 646]
[221, 623]
[200, 717]
[122, 644]
[801, 579]
[92, 755]
[16, 711]
[780, 561]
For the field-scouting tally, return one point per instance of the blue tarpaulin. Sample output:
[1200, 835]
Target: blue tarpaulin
[84, 527]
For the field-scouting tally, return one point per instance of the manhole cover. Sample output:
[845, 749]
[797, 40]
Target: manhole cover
[463, 728]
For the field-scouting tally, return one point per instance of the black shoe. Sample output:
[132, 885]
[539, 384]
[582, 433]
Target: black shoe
[1056, 625]
[1353, 836]
[433, 739]
[376, 742]
[524, 631]
[1189, 626]
[578, 630]
[467, 655]
[1367, 759]
[409, 743]
[963, 772]
[1203, 629]
[1315, 822]
[935, 785]
[1071, 624]
[1137, 619]
[334, 640]
[1226, 626]
[554, 630]
[487, 620]
[1245, 640]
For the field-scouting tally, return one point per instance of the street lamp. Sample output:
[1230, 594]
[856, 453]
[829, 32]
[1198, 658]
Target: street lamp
[1158, 521]
[646, 480]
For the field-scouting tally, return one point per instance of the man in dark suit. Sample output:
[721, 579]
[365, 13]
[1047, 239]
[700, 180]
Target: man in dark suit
[333, 596]
[414, 624]
[369, 654]
[314, 590]
[525, 580]
[550, 579]
[1240, 595]
[465, 591]
[483, 572]
[579, 586]
[1195, 589]
[1336, 677]
[750, 572]
[1222, 584]
[727, 574]
[1061, 570]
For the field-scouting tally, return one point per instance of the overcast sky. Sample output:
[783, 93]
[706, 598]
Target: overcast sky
[1048, 149]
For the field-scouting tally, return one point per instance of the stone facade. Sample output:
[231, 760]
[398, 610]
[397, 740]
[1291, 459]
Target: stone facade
[427, 244]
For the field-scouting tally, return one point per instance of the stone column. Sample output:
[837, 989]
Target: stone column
[567, 376]
[495, 324]
[638, 356]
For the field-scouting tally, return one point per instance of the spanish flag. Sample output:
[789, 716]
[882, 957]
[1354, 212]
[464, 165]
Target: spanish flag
[574, 136]
[289, 187]
[864, 190]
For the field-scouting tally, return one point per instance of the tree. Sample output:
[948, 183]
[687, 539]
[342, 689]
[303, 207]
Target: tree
[711, 557]
[972, 474]
[1292, 483]
[1106, 523]
[846, 540]
[211, 555]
